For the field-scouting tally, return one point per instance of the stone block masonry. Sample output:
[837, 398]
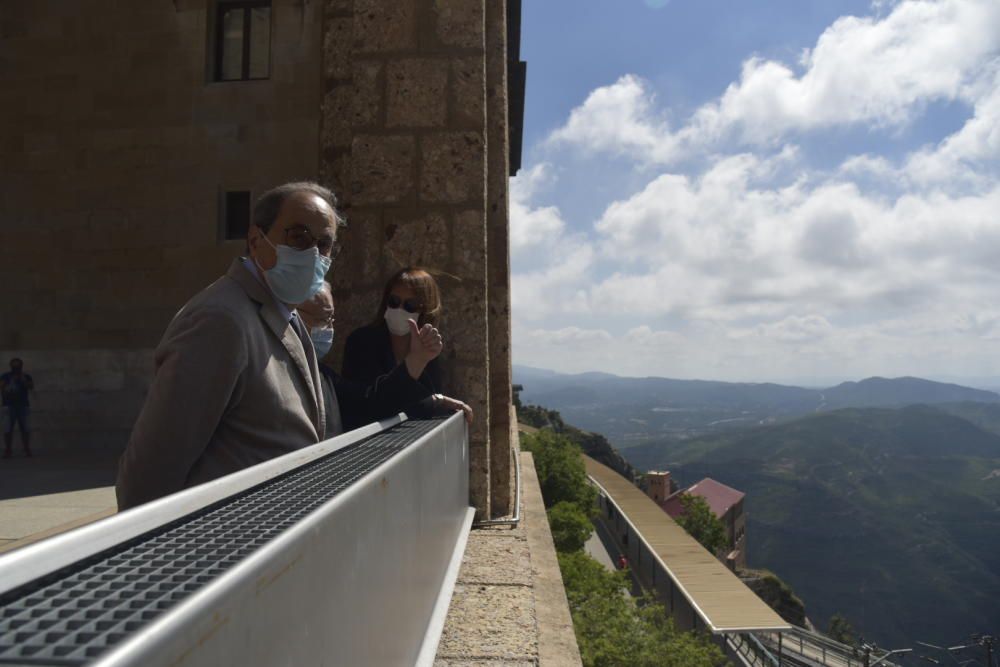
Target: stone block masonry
[118, 147]
[115, 148]
[414, 139]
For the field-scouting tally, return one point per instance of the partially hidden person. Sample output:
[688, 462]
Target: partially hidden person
[237, 379]
[351, 404]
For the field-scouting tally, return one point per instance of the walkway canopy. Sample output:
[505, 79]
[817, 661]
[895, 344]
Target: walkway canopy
[721, 600]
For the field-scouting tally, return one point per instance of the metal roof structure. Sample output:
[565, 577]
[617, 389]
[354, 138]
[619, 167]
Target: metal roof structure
[723, 602]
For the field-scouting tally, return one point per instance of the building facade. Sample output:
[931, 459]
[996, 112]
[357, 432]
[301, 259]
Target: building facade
[135, 137]
[727, 505]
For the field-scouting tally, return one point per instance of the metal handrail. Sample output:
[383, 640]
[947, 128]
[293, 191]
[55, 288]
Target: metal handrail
[352, 536]
[516, 518]
[747, 646]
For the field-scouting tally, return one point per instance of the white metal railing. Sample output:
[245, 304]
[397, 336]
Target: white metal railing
[365, 578]
[750, 651]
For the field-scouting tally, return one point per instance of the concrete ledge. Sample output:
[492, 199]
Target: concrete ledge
[556, 641]
[509, 607]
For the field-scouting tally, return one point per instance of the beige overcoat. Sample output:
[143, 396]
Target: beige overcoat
[234, 385]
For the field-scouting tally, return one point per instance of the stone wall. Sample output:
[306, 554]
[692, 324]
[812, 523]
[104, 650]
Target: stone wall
[115, 147]
[412, 138]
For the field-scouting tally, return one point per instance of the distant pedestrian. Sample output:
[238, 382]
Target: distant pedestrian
[622, 562]
[15, 387]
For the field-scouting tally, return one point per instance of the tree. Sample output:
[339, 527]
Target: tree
[700, 522]
[612, 631]
[516, 390]
[840, 630]
[570, 527]
[561, 472]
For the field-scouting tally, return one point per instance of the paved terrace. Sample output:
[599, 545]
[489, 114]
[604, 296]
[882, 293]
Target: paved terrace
[51, 493]
[509, 608]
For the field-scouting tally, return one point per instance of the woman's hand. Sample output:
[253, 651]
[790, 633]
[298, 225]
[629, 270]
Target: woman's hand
[425, 345]
[444, 404]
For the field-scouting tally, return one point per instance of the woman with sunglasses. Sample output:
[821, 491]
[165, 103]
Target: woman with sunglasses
[375, 350]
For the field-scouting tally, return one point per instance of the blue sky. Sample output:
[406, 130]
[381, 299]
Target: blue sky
[758, 191]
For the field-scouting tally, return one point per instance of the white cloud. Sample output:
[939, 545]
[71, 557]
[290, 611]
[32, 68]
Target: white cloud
[619, 119]
[862, 70]
[720, 247]
[796, 329]
[960, 158]
[532, 226]
[569, 336]
[763, 265]
[730, 248]
[806, 348]
[876, 71]
[559, 286]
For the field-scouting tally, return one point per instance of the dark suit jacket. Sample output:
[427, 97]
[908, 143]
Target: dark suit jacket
[362, 404]
[234, 385]
[368, 357]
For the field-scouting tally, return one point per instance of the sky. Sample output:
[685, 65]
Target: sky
[775, 190]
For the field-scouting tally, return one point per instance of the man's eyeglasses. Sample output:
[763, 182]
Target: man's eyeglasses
[300, 238]
[410, 305]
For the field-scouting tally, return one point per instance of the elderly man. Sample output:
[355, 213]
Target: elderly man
[349, 404]
[237, 380]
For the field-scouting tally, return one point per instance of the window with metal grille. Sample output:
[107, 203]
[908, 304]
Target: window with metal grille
[243, 40]
[235, 215]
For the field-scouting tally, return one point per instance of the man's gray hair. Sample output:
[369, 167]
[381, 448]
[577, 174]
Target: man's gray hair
[265, 209]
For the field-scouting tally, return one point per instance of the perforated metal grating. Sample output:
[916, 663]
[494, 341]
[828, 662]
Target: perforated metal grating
[75, 615]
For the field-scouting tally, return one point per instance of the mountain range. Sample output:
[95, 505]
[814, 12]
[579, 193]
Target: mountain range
[632, 411]
[890, 517]
[878, 499]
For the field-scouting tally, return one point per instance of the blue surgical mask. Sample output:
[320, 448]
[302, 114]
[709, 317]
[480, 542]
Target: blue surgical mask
[298, 274]
[322, 338]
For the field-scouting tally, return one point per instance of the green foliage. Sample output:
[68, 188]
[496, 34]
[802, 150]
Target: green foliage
[612, 631]
[847, 503]
[841, 630]
[778, 595]
[570, 527]
[594, 445]
[516, 390]
[539, 417]
[561, 472]
[701, 523]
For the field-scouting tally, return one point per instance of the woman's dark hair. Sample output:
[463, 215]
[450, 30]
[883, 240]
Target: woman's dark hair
[424, 287]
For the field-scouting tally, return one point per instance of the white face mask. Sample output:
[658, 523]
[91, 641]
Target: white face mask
[397, 320]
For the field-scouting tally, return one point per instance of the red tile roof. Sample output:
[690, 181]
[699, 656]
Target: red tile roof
[718, 496]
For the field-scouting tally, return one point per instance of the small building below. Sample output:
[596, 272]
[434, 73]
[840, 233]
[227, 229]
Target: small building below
[725, 502]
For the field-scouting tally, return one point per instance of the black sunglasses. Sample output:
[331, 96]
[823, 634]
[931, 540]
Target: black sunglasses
[410, 305]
